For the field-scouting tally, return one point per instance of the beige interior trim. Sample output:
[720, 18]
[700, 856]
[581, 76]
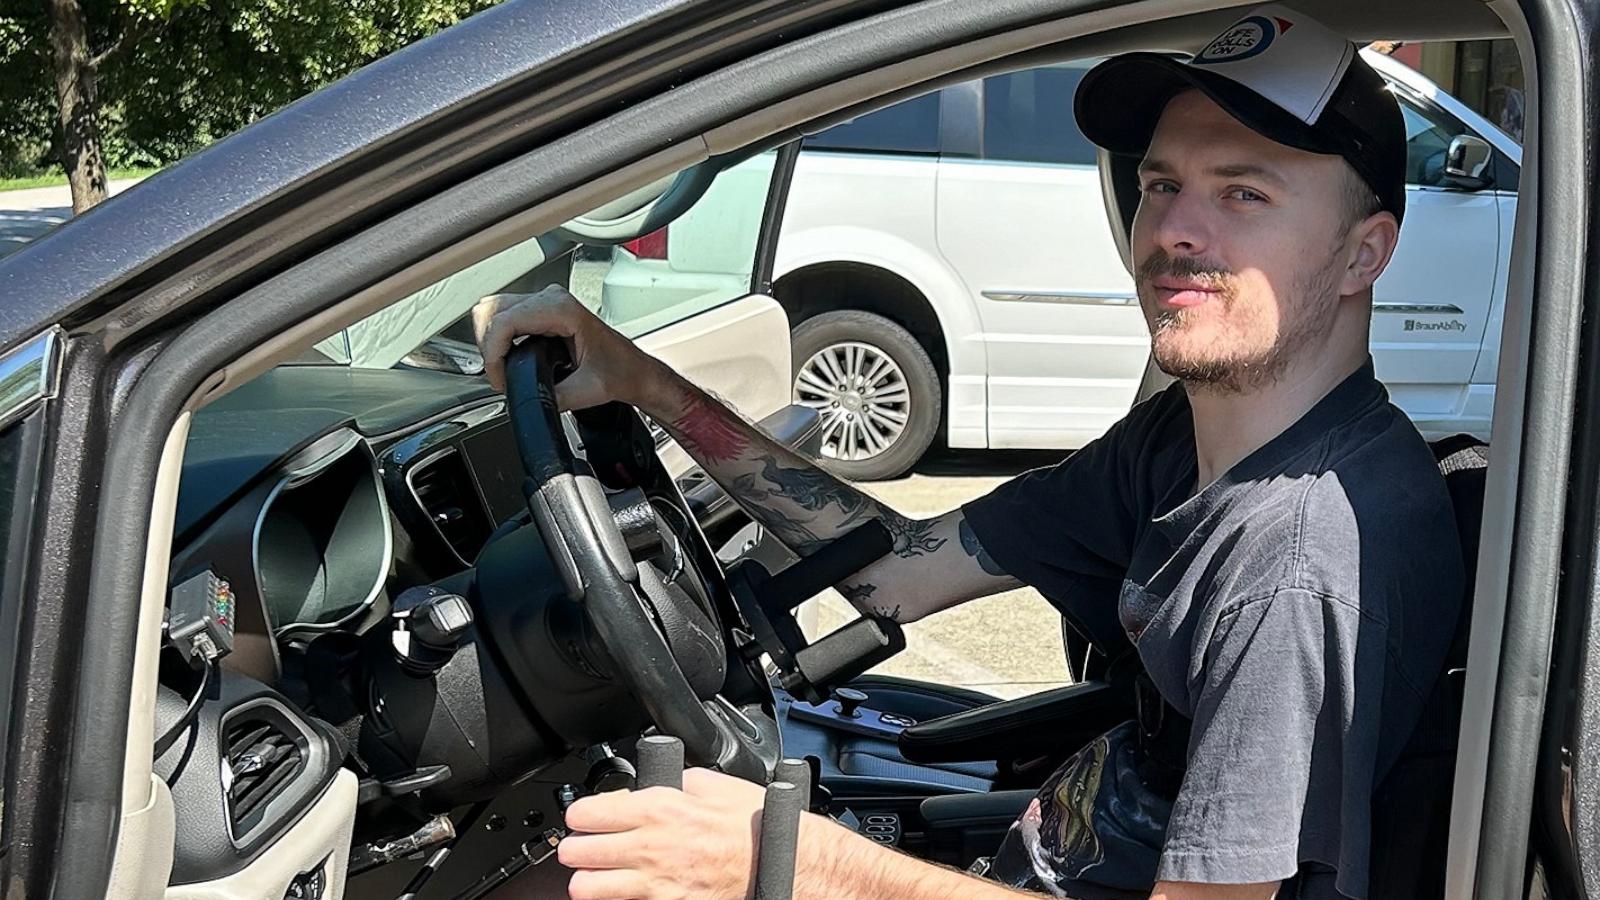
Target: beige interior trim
[321, 837]
[145, 847]
[1492, 587]
[751, 335]
[145, 836]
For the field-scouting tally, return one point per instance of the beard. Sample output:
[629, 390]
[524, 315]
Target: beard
[1251, 352]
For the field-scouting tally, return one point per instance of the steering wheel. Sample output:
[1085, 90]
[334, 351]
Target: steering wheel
[569, 508]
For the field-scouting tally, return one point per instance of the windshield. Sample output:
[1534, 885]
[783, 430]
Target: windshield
[701, 259]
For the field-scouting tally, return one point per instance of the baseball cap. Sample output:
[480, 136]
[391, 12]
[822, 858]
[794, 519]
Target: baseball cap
[1283, 74]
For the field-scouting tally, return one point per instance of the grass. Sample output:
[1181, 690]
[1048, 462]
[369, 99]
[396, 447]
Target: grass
[58, 179]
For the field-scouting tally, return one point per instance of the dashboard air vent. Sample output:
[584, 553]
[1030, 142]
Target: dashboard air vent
[444, 488]
[261, 759]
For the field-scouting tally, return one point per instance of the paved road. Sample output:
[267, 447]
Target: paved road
[25, 215]
[1008, 644]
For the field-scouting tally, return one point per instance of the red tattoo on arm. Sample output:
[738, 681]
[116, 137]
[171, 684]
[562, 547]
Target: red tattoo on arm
[709, 432]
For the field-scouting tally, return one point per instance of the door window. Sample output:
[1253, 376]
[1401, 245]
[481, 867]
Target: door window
[701, 259]
[1027, 116]
[1428, 136]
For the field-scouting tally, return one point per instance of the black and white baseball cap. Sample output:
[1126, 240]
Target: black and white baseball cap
[1280, 72]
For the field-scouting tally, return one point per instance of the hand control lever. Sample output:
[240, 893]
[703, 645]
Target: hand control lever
[787, 797]
[767, 602]
[660, 762]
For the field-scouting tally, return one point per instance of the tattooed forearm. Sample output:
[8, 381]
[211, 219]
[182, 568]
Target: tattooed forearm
[912, 537]
[815, 490]
[710, 431]
[858, 594]
[969, 543]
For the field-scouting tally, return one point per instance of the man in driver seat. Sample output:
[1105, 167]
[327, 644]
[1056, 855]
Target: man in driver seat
[1270, 533]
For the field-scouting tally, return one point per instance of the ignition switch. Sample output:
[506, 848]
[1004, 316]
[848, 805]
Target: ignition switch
[429, 625]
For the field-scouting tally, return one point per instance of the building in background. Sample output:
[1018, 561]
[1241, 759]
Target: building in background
[1485, 75]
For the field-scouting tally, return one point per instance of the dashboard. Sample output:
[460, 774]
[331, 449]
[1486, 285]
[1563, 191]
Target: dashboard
[331, 499]
[319, 493]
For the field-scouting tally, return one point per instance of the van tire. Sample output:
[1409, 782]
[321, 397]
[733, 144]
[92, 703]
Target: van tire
[873, 344]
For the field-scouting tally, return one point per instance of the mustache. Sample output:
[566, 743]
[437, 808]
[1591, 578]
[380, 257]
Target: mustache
[1161, 263]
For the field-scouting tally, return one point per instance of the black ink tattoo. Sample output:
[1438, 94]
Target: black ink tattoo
[858, 594]
[969, 543]
[912, 537]
[753, 494]
[885, 612]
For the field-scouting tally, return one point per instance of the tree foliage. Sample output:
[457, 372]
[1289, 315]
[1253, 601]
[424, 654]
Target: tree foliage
[175, 75]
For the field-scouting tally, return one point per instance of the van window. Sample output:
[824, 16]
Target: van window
[1429, 131]
[910, 126]
[1027, 116]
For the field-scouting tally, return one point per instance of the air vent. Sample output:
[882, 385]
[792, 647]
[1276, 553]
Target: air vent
[445, 490]
[261, 759]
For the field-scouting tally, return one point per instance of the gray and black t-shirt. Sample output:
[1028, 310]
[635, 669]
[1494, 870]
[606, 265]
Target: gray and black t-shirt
[1298, 610]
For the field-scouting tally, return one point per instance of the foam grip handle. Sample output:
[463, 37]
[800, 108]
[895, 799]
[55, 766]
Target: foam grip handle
[798, 773]
[836, 561]
[780, 836]
[660, 762]
[536, 427]
[848, 652]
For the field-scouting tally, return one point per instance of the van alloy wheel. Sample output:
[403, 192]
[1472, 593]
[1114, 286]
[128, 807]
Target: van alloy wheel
[862, 396]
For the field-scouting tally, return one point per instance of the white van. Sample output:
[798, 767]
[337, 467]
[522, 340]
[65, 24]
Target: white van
[949, 270]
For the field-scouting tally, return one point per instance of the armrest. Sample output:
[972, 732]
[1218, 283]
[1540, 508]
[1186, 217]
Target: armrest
[1063, 718]
[962, 827]
[975, 810]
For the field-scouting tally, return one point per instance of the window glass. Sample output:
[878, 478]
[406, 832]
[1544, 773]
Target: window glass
[702, 259]
[1027, 116]
[1428, 137]
[911, 126]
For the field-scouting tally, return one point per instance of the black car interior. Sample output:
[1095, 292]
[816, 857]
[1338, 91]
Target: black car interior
[451, 593]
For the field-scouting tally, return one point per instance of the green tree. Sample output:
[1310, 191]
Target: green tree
[93, 84]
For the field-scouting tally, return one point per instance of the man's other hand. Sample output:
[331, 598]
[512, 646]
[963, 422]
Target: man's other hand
[607, 366]
[662, 844]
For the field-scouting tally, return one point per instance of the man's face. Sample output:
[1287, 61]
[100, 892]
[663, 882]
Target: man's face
[1239, 245]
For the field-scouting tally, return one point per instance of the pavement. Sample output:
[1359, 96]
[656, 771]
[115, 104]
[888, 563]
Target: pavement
[1007, 645]
[27, 214]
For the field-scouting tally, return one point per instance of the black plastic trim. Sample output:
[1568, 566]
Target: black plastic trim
[1016, 728]
[22, 483]
[1566, 834]
[772, 218]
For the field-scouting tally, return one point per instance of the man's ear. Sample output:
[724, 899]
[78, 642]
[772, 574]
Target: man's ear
[1370, 245]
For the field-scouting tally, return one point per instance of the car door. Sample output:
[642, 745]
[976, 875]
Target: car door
[1021, 218]
[1431, 306]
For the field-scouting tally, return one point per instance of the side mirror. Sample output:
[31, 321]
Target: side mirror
[1466, 163]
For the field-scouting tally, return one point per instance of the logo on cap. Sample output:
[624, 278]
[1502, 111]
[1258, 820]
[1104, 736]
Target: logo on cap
[1250, 37]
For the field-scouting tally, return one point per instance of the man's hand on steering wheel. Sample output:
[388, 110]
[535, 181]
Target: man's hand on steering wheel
[607, 366]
